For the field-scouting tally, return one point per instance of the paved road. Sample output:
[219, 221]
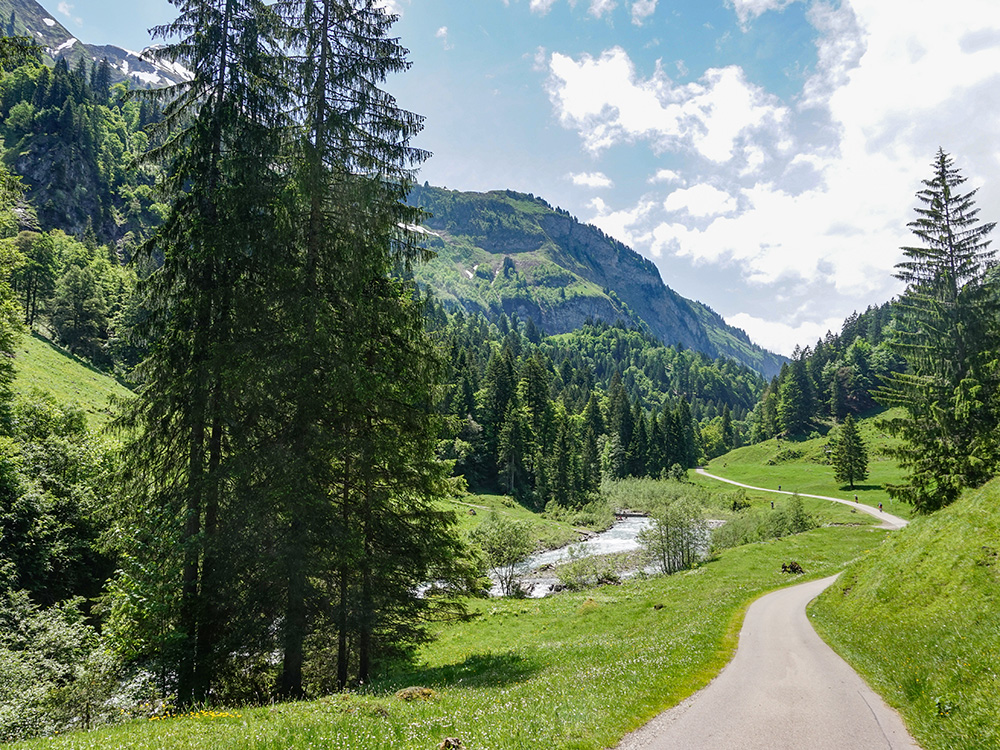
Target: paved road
[889, 521]
[784, 690]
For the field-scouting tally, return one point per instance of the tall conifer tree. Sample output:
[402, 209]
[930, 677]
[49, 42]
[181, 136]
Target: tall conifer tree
[948, 334]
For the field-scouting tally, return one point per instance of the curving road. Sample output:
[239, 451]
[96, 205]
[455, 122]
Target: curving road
[889, 521]
[784, 690]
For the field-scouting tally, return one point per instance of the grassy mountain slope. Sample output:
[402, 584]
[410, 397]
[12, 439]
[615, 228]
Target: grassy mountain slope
[919, 618]
[42, 366]
[509, 252]
[803, 465]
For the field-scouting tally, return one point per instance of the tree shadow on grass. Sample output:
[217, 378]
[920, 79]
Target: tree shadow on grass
[861, 487]
[478, 670]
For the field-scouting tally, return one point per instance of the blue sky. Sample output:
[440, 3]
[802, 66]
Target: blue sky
[764, 154]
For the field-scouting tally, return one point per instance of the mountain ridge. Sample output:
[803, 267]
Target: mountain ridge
[29, 18]
[511, 252]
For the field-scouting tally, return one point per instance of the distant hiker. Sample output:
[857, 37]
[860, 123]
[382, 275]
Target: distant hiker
[779, 488]
[855, 498]
[772, 505]
[880, 507]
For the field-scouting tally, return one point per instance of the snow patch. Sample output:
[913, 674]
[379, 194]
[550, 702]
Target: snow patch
[65, 45]
[149, 78]
[49, 22]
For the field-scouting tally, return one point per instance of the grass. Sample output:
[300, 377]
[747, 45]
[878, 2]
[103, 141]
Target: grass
[44, 367]
[548, 533]
[802, 466]
[919, 619]
[577, 670]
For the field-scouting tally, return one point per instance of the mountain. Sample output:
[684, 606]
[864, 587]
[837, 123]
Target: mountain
[504, 251]
[28, 18]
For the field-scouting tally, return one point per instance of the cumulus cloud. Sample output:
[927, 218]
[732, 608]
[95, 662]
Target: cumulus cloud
[607, 102]
[591, 179]
[781, 336]
[700, 201]
[666, 175]
[808, 202]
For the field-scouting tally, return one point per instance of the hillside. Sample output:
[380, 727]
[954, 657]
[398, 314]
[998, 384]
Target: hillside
[509, 252]
[917, 617]
[28, 18]
[42, 366]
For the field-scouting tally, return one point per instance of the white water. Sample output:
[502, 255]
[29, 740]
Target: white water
[622, 537]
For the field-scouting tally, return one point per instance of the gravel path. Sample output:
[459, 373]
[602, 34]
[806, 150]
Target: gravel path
[784, 690]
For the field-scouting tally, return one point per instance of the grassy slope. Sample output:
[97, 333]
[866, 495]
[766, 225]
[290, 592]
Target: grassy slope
[801, 466]
[919, 618]
[576, 670]
[42, 366]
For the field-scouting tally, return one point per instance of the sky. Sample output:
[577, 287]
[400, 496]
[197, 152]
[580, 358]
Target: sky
[764, 154]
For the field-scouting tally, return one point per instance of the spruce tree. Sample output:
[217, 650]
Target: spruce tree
[947, 332]
[849, 456]
[209, 303]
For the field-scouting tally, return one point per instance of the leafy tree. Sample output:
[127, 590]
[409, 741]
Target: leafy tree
[506, 544]
[849, 456]
[947, 332]
[676, 536]
[34, 279]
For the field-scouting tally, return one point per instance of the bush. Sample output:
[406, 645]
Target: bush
[758, 525]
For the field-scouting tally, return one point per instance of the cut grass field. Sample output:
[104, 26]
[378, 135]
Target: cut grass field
[577, 670]
[919, 619]
[802, 466]
[44, 367]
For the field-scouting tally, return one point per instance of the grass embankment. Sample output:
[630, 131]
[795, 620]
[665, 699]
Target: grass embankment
[42, 366]
[548, 533]
[803, 466]
[919, 618]
[576, 670]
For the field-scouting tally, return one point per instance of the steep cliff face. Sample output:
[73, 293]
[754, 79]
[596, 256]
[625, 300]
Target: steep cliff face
[509, 252]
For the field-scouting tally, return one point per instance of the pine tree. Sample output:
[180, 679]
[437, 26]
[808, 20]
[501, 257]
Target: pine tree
[849, 456]
[795, 397]
[948, 334]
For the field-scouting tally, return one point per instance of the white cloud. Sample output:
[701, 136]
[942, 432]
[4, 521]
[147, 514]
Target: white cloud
[599, 7]
[666, 175]
[811, 203]
[780, 336]
[747, 10]
[641, 10]
[541, 6]
[591, 179]
[67, 10]
[607, 102]
[700, 201]
[442, 34]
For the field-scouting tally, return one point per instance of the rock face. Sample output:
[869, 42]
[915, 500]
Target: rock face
[28, 18]
[509, 252]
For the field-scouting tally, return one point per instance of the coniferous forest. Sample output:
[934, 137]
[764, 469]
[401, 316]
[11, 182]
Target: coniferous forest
[257, 520]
